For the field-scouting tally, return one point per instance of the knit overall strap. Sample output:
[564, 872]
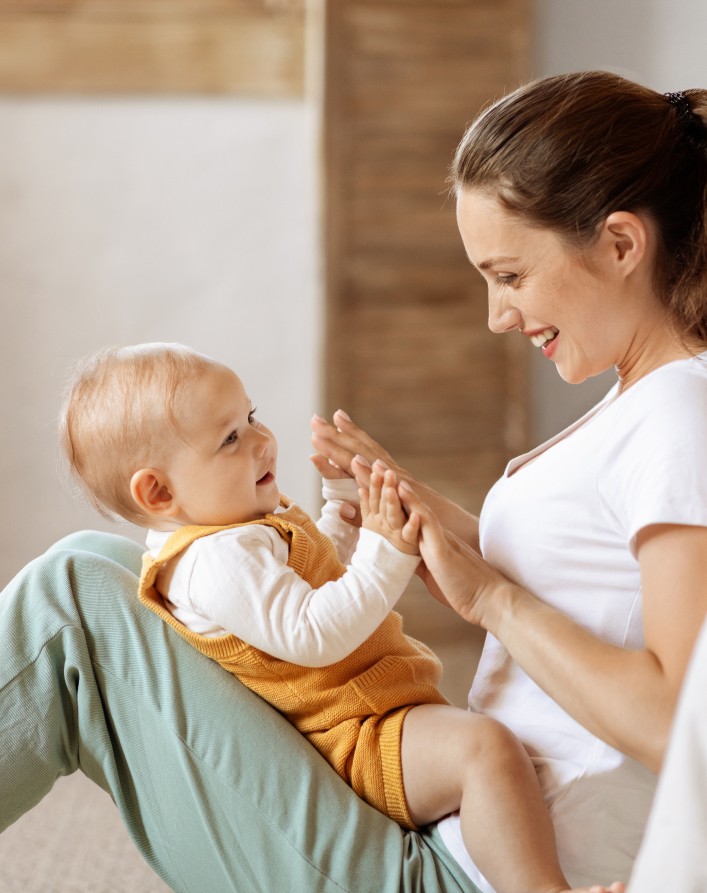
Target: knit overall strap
[285, 523]
[301, 534]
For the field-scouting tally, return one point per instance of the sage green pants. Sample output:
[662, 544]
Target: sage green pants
[216, 789]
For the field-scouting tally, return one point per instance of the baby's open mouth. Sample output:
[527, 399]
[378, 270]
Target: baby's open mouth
[267, 478]
[542, 339]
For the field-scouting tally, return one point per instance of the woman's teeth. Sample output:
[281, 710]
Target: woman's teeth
[543, 338]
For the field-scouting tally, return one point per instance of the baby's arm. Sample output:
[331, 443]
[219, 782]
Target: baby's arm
[241, 581]
[338, 492]
[381, 510]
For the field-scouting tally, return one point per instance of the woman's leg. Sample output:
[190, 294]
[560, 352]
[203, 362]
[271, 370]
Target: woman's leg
[218, 792]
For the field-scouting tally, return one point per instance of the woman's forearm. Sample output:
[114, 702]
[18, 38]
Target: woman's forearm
[622, 696]
[626, 698]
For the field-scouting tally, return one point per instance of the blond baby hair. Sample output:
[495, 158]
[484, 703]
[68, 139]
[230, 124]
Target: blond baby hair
[119, 416]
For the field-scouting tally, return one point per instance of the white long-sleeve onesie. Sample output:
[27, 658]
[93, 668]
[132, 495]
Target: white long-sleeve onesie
[238, 581]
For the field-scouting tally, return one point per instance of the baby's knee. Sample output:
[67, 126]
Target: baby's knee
[492, 745]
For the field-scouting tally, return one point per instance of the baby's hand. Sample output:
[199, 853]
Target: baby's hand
[383, 513]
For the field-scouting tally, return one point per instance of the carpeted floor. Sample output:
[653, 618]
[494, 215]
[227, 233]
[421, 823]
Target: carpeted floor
[73, 842]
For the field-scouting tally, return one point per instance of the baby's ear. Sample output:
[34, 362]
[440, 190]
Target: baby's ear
[149, 488]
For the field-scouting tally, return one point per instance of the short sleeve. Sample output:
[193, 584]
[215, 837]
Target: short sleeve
[657, 467]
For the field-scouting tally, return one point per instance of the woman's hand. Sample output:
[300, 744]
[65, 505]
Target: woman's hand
[345, 450]
[354, 452]
[453, 571]
[341, 443]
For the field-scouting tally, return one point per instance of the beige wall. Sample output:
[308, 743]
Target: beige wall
[127, 220]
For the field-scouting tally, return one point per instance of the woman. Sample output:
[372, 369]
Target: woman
[581, 200]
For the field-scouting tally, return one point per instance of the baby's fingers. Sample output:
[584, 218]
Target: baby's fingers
[375, 490]
[411, 530]
[365, 504]
[327, 469]
[391, 507]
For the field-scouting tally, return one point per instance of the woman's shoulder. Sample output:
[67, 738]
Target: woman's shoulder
[675, 392]
[690, 372]
[659, 422]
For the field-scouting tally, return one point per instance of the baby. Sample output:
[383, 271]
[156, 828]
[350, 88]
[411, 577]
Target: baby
[302, 613]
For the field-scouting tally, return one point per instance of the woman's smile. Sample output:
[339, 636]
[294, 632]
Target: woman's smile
[544, 338]
[600, 318]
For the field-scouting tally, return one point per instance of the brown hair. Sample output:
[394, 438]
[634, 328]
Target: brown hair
[119, 416]
[566, 151]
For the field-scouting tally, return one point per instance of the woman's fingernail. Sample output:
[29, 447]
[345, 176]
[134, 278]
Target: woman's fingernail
[362, 461]
[381, 464]
[347, 511]
[342, 415]
[403, 485]
[318, 418]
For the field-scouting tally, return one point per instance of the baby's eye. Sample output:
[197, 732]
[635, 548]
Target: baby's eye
[251, 416]
[232, 438]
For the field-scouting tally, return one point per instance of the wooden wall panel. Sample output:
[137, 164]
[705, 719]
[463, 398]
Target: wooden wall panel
[408, 351]
[250, 47]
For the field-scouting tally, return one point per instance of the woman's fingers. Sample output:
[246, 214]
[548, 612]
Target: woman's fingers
[326, 469]
[343, 440]
[361, 470]
[351, 513]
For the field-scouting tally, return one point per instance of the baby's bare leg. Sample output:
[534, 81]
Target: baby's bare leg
[453, 759]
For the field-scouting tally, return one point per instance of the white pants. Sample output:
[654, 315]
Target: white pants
[673, 855]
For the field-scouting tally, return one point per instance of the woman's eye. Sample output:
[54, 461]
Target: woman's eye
[506, 278]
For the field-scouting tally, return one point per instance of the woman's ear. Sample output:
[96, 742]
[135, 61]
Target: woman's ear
[626, 235]
[149, 488]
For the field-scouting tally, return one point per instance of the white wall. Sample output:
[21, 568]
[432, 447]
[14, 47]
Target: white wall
[660, 43]
[130, 220]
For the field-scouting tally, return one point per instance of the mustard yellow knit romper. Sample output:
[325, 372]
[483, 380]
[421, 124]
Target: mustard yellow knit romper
[352, 711]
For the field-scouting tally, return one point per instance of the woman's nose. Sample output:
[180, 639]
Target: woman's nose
[503, 317]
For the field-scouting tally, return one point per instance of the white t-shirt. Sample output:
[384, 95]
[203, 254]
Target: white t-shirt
[238, 581]
[562, 522]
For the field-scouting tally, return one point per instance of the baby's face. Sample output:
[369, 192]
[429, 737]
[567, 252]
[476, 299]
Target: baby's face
[224, 471]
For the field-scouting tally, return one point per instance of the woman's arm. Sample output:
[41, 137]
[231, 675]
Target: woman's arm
[625, 697]
[340, 443]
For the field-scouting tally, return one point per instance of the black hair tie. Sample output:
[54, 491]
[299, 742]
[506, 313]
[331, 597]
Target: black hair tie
[691, 124]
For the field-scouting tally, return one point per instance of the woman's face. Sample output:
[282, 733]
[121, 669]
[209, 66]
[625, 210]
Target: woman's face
[570, 304]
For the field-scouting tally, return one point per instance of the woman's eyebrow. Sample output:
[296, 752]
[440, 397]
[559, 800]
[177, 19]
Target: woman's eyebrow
[495, 261]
